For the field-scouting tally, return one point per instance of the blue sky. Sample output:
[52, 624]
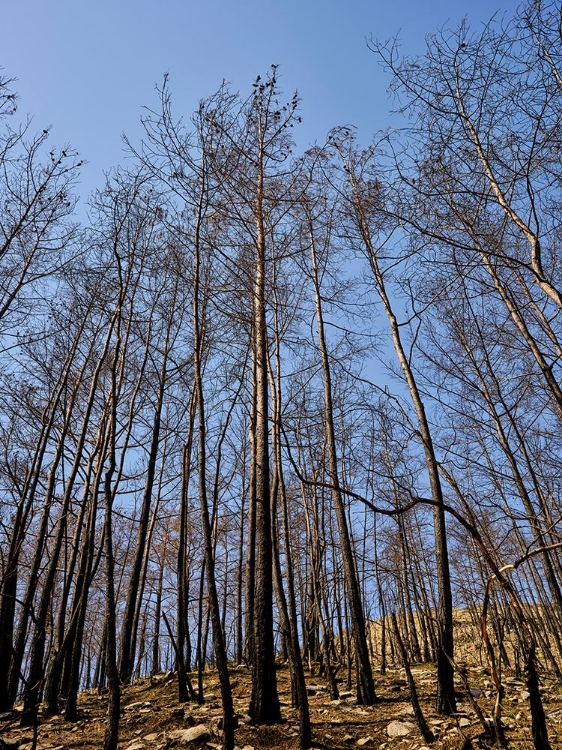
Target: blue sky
[87, 68]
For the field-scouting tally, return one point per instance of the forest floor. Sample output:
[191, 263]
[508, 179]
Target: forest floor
[152, 718]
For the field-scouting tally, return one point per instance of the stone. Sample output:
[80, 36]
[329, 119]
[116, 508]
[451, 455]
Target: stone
[347, 694]
[349, 738]
[180, 737]
[524, 695]
[164, 677]
[464, 723]
[137, 706]
[364, 741]
[152, 737]
[135, 746]
[399, 728]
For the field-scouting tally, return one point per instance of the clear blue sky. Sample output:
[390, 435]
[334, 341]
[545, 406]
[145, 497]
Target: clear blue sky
[86, 68]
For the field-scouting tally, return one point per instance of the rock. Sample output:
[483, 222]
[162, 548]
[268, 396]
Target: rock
[399, 728]
[524, 695]
[464, 723]
[476, 692]
[349, 738]
[135, 746]
[216, 724]
[346, 695]
[199, 733]
[152, 737]
[164, 677]
[137, 706]
[364, 741]
[9, 743]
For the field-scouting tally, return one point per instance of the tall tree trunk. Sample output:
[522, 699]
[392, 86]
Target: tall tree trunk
[365, 682]
[218, 633]
[446, 702]
[264, 702]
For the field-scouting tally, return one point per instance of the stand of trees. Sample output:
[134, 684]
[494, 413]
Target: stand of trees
[260, 398]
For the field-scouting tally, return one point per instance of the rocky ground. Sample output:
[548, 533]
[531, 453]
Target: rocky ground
[152, 718]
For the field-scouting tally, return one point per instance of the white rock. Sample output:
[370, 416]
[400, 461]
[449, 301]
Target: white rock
[138, 705]
[399, 728]
[187, 736]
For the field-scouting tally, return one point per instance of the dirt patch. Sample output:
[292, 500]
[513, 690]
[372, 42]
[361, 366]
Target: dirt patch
[151, 716]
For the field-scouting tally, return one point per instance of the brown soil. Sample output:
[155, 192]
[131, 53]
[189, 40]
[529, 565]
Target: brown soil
[151, 713]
